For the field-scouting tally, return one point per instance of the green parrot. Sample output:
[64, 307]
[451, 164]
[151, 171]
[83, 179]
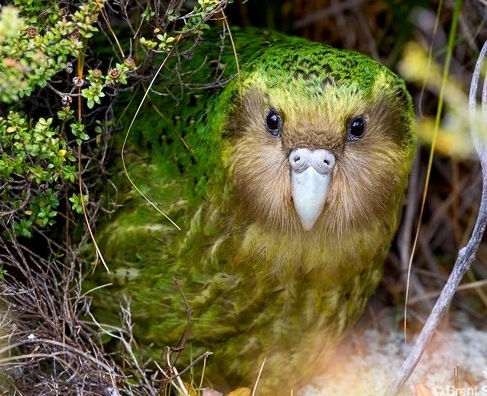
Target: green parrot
[284, 169]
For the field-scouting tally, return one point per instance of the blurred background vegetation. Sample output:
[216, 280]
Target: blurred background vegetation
[64, 64]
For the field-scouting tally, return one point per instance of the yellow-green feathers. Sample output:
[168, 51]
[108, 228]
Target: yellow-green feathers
[235, 165]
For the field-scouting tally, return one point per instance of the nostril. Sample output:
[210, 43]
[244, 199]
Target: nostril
[321, 160]
[299, 159]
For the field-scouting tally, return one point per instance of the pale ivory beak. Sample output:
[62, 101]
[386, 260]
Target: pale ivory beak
[311, 172]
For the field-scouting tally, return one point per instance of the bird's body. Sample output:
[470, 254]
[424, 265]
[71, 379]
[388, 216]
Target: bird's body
[287, 181]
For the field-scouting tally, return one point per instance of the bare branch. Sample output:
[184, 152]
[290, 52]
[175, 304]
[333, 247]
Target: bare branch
[467, 254]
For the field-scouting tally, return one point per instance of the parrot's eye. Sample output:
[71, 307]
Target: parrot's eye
[356, 128]
[273, 123]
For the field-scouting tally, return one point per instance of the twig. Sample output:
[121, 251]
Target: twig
[466, 255]
[178, 384]
[254, 390]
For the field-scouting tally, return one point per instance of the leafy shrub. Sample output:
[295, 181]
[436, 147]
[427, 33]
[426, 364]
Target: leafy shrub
[47, 79]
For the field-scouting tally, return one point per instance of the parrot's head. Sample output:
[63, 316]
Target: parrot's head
[317, 140]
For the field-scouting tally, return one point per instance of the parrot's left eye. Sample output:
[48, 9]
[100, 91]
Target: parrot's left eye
[273, 123]
[356, 128]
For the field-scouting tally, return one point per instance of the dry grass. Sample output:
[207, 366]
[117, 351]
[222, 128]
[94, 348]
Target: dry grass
[46, 348]
[51, 345]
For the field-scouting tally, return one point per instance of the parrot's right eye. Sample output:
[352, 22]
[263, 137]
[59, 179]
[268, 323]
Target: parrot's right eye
[273, 123]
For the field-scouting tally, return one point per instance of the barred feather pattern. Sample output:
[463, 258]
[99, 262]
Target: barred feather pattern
[258, 285]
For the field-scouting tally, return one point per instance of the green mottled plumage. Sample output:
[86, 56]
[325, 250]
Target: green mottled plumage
[258, 285]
